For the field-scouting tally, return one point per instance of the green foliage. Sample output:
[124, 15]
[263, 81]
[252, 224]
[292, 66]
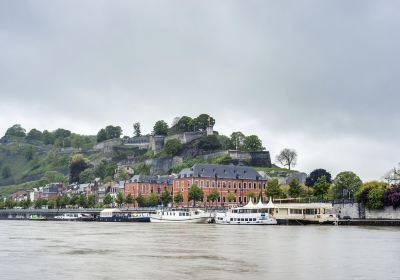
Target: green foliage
[87, 176]
[16, 130]
[202, 122]
[184, 124]
[213, 196]
[252, 144]
[346, 182]
[129, 199]
[237, 140]
[121, 175]
[195, 194]
[6, 172]
[321, 187]
[225, 142]
[105, 169]
[251, 195]
[108, 200]
[48, 137]
[140, 200]
[142, 169]
[178, 197]
[136, 128]
[34, 134]
[230, 197]
[294, 188]
[166, 197]
[110, 132]
[161, 128]
[375, 198]
[54, 177]
[120, 199]
[173, 147]
[273, 189]
[91, 201]
[151, 200]
[208, 143]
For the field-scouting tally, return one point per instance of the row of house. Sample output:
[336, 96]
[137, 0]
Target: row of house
[234, 180]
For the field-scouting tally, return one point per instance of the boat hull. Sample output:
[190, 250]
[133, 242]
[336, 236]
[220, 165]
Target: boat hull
[125, 219]
[192, 220]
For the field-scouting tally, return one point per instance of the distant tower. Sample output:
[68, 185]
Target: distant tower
[210, 128]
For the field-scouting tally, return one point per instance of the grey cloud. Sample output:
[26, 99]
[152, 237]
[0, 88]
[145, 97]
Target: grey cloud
[316, 70]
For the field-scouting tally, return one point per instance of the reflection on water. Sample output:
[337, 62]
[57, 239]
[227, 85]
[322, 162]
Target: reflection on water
[71, 250]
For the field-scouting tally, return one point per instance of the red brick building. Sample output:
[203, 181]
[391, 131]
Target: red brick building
[239, 180]
[146, 185]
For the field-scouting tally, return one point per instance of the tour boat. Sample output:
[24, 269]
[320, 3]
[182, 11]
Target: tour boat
[179, 216]
[302, 213]
[250, 214]
[74, 217]
[115, 215]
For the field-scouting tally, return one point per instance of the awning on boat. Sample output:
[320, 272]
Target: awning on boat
[270, 204]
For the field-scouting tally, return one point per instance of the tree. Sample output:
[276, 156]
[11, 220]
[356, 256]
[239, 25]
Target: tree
[252, 144]
[225, 142]
[237, 140]
[294, 188]
[375, 198]
[91, 201]
[151, 200]
[61, 133]
[120, 199]
[77, 165]
[213, 196]
[16, 130]
[6, 172]
[203, 121]
[161, 128]
[48, 138]
[136, 128]
[391, 197]
[77, 141]
[314, 175]
[129, 199]
[140, 200]
[251, 195]
[28, 153]
[195, 194]
[178, 198]
[113, 132]
[230, 197]
[345, 183]
[87, 176]
[108, 200]
[54, 177]
[122, 175]
[287, 157]
[165, 197]
[34, 134]
[184, 124]
[209, 143]
[73, 200]
[321, 187]
[173, 147]
[101, 135]
[273, 188]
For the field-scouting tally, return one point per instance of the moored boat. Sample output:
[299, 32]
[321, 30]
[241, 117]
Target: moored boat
[249, 214]
[35, 217]
[179, 216]
[116, 215]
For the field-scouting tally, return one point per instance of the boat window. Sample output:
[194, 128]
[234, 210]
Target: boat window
[246, 220]
[231, 219]
[254, 219]
[296, 211]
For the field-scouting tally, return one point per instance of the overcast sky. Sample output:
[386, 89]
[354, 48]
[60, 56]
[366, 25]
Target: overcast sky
[321, 77]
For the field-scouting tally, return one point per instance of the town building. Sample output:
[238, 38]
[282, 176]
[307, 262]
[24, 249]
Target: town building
[235, 179]
[146, 185]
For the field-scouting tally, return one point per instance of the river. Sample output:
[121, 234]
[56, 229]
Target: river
[76, 250]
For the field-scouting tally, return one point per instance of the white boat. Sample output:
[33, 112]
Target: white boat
[302, 213]
[250, 214]
[179, 216]
[74, 217]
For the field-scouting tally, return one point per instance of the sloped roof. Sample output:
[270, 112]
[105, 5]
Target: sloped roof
[221, 172]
